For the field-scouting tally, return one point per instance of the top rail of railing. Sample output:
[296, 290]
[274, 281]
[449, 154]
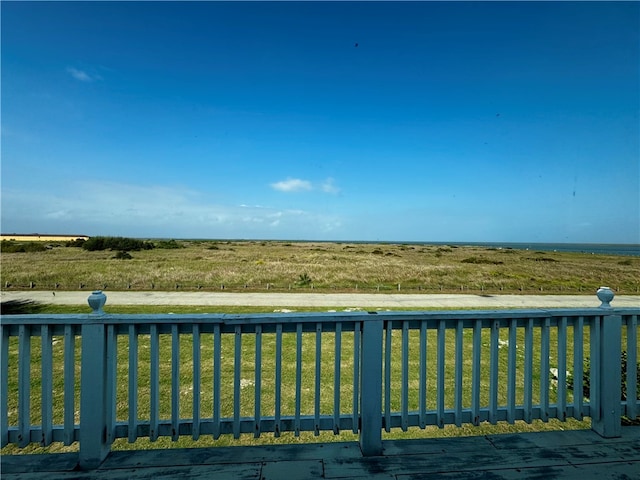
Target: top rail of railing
[311, 317]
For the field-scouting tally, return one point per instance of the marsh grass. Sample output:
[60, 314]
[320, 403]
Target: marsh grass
[256, 266]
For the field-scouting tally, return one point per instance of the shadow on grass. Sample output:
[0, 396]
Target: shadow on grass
[20, 307]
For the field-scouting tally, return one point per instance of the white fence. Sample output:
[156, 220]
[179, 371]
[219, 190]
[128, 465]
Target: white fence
[154, 376]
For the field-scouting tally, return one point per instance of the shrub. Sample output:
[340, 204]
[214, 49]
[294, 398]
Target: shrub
[78, 242]
[116, 243]
[122, 255]
[168, 244]
[10, 246]
[586, 377]
[480, 260]
[304, 280]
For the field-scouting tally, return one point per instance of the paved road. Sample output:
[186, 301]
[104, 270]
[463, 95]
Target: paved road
[346, 300]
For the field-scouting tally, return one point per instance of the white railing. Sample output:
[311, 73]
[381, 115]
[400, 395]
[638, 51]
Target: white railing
[210, 374]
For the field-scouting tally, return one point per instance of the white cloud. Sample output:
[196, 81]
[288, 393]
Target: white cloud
[292, 185]
[298, 185]
[82, 75]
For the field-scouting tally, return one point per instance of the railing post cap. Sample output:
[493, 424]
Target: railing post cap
[605, 295]
[96, 301]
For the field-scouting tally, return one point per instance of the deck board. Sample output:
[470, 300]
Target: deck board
[292, 470]
[579, 455]
[447, 462]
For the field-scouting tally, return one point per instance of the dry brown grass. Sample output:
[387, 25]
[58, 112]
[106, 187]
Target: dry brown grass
[258, 266]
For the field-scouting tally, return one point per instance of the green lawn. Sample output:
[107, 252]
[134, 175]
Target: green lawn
[288, 382]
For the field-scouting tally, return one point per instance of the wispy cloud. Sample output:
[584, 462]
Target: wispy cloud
[292, 185]
[328, 186]
[113, 208]
[298, 185]
[81, 75]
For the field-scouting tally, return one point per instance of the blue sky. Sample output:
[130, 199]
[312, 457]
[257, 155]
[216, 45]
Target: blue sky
[415, 121]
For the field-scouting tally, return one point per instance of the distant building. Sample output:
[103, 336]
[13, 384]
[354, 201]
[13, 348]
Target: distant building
[41, 237]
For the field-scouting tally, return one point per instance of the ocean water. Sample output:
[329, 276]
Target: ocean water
[595, 248]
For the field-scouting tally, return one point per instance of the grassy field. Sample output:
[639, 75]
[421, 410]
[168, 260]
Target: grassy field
[259, 266]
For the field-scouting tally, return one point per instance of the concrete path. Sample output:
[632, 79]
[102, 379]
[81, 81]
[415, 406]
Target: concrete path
[364, 300]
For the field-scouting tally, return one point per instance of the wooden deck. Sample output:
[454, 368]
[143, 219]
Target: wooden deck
[580, 455]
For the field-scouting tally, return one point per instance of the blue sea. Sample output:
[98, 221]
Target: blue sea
[594, 248]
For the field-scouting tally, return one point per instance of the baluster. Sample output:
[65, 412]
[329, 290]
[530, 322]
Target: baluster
[475, 371]
[175, 383]
[404, 393]
[133, 384]
[458, 373]
[561, 413]
[237, 376]
[217, 357]
[594, 369]
[195, 433]
[632, 366]
[578, 354]
[356, 375]
[336, 379]
[278, 379]
[387, 375]
[544, 371]
[4, 384]
[258, 380]
[111, 382]
[318, 378]
[298, 378]
[511, 373]
[423, 375]
[155, 383]
[24, 385]
[69, 385]
[440, 376]
[493, 372]
[528, 371]
[46, 363]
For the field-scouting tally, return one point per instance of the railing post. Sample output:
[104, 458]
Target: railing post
[371, 388]
[608, 424]
[94, 446]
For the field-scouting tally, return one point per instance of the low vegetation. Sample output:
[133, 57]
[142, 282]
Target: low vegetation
[116, 243]
[11, 246]
[301, 266]
[586, 378]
